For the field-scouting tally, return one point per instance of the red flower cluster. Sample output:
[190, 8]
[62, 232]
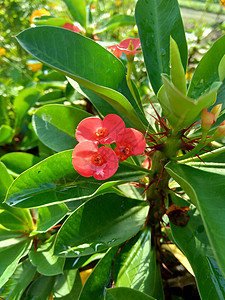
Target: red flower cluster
[89, 160]
[128, 46]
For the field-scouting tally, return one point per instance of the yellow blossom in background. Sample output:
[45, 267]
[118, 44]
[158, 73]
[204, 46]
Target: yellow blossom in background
[2, 51]
[35, 66]
[84, 275]
[118, 2]
[222, 3]
[39, 13]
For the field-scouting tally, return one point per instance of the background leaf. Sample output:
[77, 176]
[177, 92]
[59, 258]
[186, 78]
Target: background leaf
[55, 125]
[122, 293]
[193, 241]
[157, 20]
[206, 190]
[77, 8]
[5, 181]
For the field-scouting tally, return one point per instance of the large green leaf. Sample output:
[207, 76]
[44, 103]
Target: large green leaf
[18, 162]
[102, 222]
[122, 293]
[135, 266]
[157, 20]
[22, 103]
[207, 70]
[86, 62]
[97, 281]
[18, 282]
[46, 262]
[54, 180]
[77, 8]
[193, 241]
[55, 125]
[6, 134]
[206, 190]
[5, 181]
[67, 285]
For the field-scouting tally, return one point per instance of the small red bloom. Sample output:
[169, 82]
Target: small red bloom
[100, 131]
[71, 27]
[89, 160]
[130, 46]
[115, 50]
[131, 142]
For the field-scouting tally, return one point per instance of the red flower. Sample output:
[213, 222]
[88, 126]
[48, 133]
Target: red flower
[130, 46]
[100, 131]
[131, 142]
[71, 27]
[115, 50]
[89, 160]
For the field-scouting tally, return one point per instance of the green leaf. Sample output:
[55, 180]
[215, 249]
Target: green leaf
[15, 219]
[54, 180]
[116, 22]
[177, 73]
[67, 286]
[18, 282]
[49, 216]
[135, 266]
[180, 110]
[11, 251]
[4, 118]
[5, 181]
[193, 242]
[18, 162]
[46, 262]
[206, 190]
[221, 69]
[6, 134]
[22, 103]
[94, 287]
[207, 70]
[48, 20]
[55, 125]
[122, 293]
[41, 288]
[157, 20]
[77, 8]
[112, 219]
[86, 62]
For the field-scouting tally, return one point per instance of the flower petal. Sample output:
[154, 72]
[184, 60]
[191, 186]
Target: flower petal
[115, 126]
[81, 158]
[87, 128]
[134, 139]
[109, 168]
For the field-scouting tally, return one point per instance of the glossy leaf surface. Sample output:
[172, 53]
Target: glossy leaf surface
[206, 190]
[157, 20]
[193, 241]
[55, 125]
[135, 266]
[207, 70]
[19, 281]
[5, 181]
[48, 216]
[94, 287]
[54, 180]
[43, 258]
[112, 219]
[18, 162]
[86, 62]
[67, 286]
[122, 293]
[41, 288]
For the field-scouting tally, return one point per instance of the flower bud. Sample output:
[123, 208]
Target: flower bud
[216, 110]
[220, 132]
[207, 119]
